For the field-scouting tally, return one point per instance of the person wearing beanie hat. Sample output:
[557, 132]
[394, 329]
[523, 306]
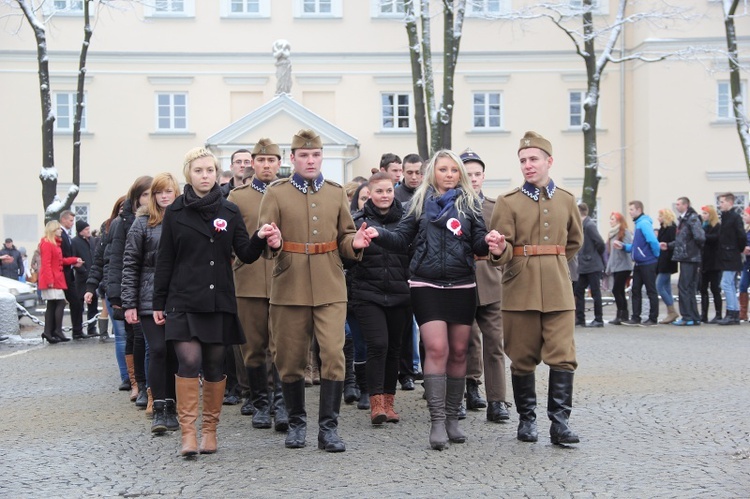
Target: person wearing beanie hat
[84, 248]
[252, 285]
[308, 290]
[542, 231]
[486, 341]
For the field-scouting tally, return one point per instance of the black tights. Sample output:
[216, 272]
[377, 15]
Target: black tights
[136, 345]
[162, 361]
[53, 317]
[194, 355]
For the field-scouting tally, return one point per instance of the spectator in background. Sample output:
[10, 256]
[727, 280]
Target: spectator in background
[687, 246]
[391, 164]
[710, 269]
[731, 245]
[619, 264]
[590, 268]
[83, 248]
[665, 267]
[413, 171]
[12, 268]
[240, 160]
[745, 276]
[67, 220]
[225, 177]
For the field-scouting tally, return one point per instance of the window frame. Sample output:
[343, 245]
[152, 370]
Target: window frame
[150, 10]
[581, 114]
[336, 10]
[486, 116]
[395, 116]
[479, 8]
[49, 9]
[264, 10]
[172, 128]
[600, 7]
[71, 105]
[376, 9]
[729, 115]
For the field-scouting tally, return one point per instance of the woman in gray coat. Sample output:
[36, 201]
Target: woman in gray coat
[619, 264]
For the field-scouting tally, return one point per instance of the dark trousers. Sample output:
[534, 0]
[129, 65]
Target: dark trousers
[382, 328]
[645, 275]
[710, 279]
[591, 280]
[687, 288]
[618, 290]
[406, 360]
[135, 345]
[76, 308]
[162, 361]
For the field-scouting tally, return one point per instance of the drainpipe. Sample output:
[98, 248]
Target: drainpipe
[349, 162]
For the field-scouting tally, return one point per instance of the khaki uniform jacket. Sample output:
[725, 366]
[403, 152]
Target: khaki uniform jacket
[489, 285]
[315, 217]
[254, 280]
[539, 283]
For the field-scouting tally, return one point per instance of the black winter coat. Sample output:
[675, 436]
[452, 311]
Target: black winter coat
[439, 257]
[591, 254]
[100, 264]
[12, 270]
[194, 261]
[83, 249]
[665, 264]
[689, 240]
[710, 251]
[731, 241]
[118, 234]
[380, 277]
[139, 264]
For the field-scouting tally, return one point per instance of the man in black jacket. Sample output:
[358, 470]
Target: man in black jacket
[83, 248]
[12, 267]
[241, 159]
[590, 268]
[686, 249]
[731, 245]
[67, 219]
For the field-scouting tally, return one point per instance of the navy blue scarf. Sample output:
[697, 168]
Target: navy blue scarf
[436, 206]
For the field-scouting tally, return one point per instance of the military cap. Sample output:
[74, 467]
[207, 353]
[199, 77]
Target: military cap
[306, 139]
[533, 139]
[469, 155]
[266, 147]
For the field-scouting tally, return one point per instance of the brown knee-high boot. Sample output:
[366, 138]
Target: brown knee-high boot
[188, 391]
[213, 397]
[131, 374]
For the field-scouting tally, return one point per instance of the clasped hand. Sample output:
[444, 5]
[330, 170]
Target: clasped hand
[496, 242]
[272, 235]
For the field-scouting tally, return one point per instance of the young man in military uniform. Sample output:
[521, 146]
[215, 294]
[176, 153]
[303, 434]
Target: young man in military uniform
[542, 231]
[253, 289]
[308, 291]
[486, 341]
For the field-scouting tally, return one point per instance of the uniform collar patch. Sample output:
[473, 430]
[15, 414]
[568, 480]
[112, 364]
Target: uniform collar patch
[301, 184]
[533, 191]
[258, 185]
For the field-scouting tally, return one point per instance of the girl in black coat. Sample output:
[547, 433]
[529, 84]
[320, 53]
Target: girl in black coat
[194, 291]
[379, 295]
[139, 263]
[710, 269]
[445, 227]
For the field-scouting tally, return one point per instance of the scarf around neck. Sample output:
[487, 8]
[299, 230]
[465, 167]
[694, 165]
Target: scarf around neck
[437, 206]
[206, 206]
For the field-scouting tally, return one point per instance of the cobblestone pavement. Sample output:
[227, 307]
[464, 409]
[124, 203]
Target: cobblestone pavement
[662, 412]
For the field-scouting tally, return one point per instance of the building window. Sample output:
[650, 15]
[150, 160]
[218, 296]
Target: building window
[318, 8]
[395, 111]
[388, 8]
[246, 8]
[487, 8]
[575, 109]
[65, 109]
[597, 6]
[81, 212]
[69, 5]
[488, 110]
[171, 112]
[169, 8]
[724, 108]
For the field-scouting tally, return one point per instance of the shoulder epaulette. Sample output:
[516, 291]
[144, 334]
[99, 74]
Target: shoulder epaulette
[557, 187]
[332, 183]
[517, 189]
[279, 181]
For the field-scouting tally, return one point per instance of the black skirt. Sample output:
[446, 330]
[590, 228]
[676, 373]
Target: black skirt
[454, 306]
[212, 327]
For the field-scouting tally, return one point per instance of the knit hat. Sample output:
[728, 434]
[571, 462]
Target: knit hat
[469, 155]
[266, 147]
[80, 225]
[306, 139]
[533, 139]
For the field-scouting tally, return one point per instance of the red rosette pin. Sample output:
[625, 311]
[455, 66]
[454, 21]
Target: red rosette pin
[454, 226]
[220, 225]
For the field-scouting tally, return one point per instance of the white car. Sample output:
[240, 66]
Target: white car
[25, 293]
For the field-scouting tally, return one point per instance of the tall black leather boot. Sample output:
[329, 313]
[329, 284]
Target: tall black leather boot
[294, 399]
[351, 392]
[258, 379]
[328, 416]
[559, 405]
[474, 399]
[524, 394]
[360, 370]
[280, 416]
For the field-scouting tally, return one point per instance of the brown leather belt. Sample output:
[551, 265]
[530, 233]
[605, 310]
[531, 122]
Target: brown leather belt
[538, 249]
[477, 258]
[310, 248]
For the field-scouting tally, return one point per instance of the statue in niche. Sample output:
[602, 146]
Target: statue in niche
[281, 51]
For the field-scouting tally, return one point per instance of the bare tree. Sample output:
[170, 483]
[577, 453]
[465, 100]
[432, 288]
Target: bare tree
[52, 203]
[566, 16]
[429, 115]
[729, 8]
